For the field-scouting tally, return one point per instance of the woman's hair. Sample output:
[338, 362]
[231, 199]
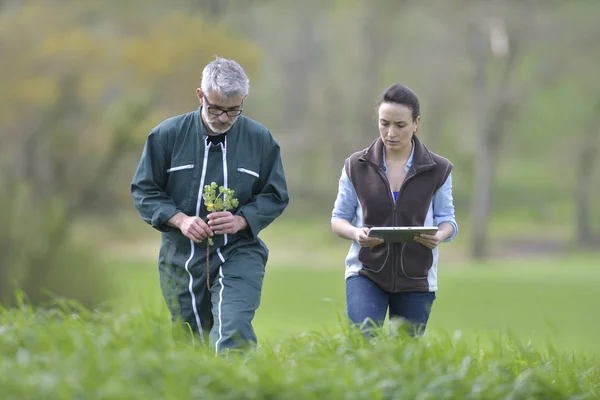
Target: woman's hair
[400, 94]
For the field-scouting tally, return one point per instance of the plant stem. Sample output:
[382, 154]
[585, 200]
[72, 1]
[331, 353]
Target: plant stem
[208, 264]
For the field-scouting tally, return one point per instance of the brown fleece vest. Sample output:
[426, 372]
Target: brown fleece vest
[397, 267]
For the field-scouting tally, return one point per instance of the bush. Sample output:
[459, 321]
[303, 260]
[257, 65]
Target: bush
[37, 257]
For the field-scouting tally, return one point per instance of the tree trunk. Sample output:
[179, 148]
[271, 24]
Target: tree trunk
[494, 108]
[483, 169]
[375, 20]
[588, 155]
[213, 9]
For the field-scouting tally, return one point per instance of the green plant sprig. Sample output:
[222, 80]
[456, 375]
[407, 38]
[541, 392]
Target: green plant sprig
[223, 201]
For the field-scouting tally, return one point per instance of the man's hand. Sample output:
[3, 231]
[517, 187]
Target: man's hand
[225, 222]
[361, 236]
[194, 228]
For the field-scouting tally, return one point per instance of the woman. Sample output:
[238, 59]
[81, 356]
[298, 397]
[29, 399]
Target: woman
[396, 181]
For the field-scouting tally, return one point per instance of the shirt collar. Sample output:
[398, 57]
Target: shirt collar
[408, 162]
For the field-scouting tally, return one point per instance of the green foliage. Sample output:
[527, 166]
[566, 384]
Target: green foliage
[74, 353]
[37, 256]
[223, 201]
[550, 98]
[89, 78]
[84, 86]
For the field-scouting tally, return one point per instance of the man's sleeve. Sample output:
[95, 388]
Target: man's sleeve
[147, 188]
[273, 198]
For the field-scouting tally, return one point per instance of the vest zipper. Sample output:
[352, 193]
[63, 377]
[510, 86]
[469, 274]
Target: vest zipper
[400, 191]
[391, 248]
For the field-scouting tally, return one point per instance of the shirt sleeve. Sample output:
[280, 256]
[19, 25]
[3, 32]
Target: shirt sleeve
[346, 202]
[273, 197]
[148, 186]
[443, 207]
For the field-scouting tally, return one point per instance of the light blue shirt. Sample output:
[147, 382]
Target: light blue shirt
[348, 207]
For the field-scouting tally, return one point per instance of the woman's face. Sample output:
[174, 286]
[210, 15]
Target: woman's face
[396, 125]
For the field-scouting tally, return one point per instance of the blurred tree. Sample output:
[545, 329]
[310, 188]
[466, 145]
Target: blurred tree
[567, 126]
[212, 8]
[492, 115]
[585, 64]
[589, 149]
[322, 67]
[497, 38]
[376, 43]
[352, 50]
[82, 87]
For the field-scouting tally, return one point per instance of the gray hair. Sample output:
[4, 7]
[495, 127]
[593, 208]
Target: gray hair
[226, 77]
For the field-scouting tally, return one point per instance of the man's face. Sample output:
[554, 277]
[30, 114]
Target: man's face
[219, 113]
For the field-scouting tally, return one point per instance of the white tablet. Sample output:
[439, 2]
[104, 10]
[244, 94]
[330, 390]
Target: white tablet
[395, 234]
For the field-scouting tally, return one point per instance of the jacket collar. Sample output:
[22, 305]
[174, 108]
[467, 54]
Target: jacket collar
[231, 135]
[421, 157]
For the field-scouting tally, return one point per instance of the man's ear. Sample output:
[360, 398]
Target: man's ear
[200, 95]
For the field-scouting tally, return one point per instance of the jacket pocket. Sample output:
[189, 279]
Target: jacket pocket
[180, 168]
[247, 178]
[249, 172]
[376, 258]
[415, 260]
[180, 184]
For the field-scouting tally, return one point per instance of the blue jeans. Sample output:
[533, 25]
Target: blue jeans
[367, 306]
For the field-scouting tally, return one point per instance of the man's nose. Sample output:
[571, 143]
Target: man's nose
[223, 117]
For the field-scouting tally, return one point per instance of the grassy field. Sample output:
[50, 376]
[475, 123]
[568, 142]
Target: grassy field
[542, 301]
[66, 355]
[538, 299]
[512, 328]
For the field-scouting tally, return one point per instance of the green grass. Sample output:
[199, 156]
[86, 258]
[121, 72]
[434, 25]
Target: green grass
[542, 301]
[500, 329]
[82, 355]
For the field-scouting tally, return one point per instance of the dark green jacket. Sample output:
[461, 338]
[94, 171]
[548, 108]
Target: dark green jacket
[175, 165]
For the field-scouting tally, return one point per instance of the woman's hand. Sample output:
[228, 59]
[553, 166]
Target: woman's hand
[362, 237]
[429, 241]
[432, 241]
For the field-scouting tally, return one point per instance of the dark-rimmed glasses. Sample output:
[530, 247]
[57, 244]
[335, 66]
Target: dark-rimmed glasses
[216, 110]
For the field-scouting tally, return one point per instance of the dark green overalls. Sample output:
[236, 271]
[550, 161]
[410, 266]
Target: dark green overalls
[176, 163]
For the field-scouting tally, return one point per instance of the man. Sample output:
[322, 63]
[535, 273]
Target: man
[182, 154]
